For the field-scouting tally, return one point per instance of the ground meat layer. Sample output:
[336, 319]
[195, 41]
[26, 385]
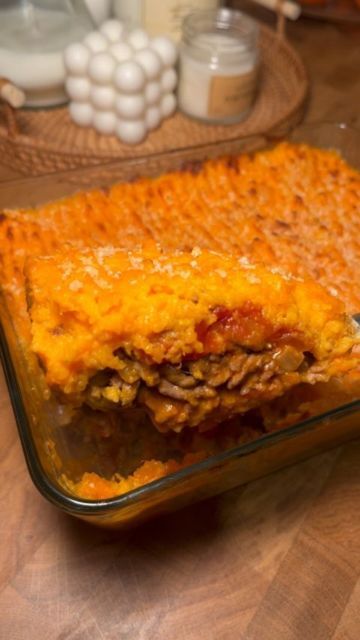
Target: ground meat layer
[205, 391]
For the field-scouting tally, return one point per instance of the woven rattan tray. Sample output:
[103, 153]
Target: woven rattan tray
[47, 140]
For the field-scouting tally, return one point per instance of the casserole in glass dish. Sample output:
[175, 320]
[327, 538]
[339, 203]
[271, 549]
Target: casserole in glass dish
[59, 452]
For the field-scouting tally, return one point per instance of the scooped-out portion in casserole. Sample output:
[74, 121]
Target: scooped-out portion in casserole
[194, 338]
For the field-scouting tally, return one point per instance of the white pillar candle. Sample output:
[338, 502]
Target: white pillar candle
[218, 66]
[159, 17]
[32, 40]
[99, 9]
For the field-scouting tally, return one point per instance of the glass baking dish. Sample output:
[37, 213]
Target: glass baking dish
[38, 422]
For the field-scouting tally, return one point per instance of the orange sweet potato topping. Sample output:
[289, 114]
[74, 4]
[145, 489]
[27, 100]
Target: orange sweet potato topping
[293, 206]
[93, 487]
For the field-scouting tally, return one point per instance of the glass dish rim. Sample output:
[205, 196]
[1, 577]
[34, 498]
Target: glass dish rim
[87, 507]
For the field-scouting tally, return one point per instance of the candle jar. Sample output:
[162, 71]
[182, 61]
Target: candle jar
[219, 62]
[33, 35]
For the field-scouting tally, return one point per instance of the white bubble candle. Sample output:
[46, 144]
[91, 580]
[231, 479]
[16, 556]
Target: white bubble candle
[121, 83]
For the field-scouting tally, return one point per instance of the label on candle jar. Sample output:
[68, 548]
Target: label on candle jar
[231, 95]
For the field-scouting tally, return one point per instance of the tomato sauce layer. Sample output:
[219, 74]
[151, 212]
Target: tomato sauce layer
[245, 326]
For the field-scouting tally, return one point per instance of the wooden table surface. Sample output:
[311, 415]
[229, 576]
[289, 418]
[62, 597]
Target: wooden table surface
[276, 560]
